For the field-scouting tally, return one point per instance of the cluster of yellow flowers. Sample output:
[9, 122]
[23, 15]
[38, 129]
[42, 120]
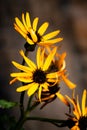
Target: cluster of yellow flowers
[43, 78]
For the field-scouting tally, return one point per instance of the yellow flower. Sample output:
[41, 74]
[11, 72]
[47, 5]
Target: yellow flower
[59, 64]
[32, 34]
[35, 77]
[80, 112]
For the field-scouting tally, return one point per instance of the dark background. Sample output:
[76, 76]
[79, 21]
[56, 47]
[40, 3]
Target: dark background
[68, 16]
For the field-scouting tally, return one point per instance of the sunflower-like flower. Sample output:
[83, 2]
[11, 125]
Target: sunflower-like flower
[35, 77]
[33, 35]
[79, 120]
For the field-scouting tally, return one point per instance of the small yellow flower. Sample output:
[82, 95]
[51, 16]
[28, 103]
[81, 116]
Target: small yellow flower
[32, 34]
[35, 77]
[80, 112]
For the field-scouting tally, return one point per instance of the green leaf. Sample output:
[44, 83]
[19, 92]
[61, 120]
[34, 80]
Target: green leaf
[7, 104]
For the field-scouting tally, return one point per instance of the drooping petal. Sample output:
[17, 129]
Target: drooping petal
[39, 93]
[50, 35]
[35, 23]
[68, 82]
[61, 61]
[43, 28]
[84, 103]
[32, 89]
[62, 98]
[49, 59]
[28, 61]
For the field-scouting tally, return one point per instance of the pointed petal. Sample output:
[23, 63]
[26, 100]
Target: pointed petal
[28, 61]
[50, 35]
[43, 28]
[20, 25]
[49, 59]
[21, 67]
[32, 89]
[62, 98]
[39, 93]
[68, 82]
[21, 74]
[78, 106]
[28, 22]
[25, 79]
[22, 88]
[13, 80]
[24, 22]
[35, 23]
[33, 35]
[84, 103]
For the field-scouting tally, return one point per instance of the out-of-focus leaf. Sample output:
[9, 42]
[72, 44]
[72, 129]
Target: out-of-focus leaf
[7, 104]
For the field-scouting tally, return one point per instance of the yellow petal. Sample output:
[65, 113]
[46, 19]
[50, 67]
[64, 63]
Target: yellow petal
[75, 128]
[21, 74]
[62, 98]
[24, 22]
[39, 93]
[78, 106]
[38, 57]
[52, 75]
[21, 67]
[49, 59]
[68, 82]
[43, 28]
[35, 23]
[22, 88]
[29, 40]
[32, 89]
[33, 35]
[84, 103]
[13, 80]
[51, 35]
[61, 60]
[28, 22]
[20, 25]
[28, 61]
[25, 79]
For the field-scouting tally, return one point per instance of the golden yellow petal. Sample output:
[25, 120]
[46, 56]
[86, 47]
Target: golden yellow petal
[68, 82]
[38, 59]
[20, 25]
[52, 75]
[24, 22]
[50, 35]
[24, 34]
[45, 85]
[43, 28]
[39, 93]
[28, 61]
[78, 106]
[21, 67]
[23, 88]
[32, 89]
[25, 79]
[33, 35]
[49, 59]
[84, 102]
[75, 128]
[61, 62]
[28, 22]
[62, 98]
[21, 74]
[29, 40]
[35, 23]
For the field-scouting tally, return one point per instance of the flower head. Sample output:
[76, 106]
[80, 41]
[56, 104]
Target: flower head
[33, 35]
[80, 112]
[35, 77]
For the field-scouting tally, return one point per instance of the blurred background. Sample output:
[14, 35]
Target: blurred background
[69, 16]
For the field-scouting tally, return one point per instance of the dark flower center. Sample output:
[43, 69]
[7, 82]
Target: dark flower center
[83, 123]
[39, 76]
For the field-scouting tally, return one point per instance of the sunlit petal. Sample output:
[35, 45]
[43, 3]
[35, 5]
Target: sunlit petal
[35, 23]
[28, 22]
[84, 102]
[43, 28]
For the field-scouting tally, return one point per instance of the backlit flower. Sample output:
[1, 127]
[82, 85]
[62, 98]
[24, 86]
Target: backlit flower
[80, 112]
[35, 77]
[32, 34]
